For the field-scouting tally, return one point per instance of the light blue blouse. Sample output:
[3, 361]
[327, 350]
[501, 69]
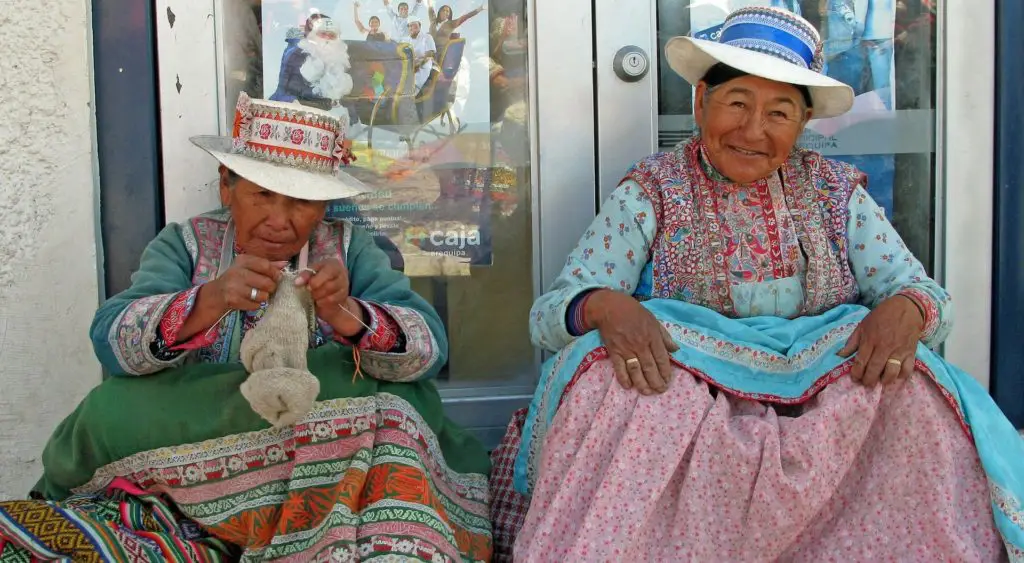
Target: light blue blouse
[613, 254]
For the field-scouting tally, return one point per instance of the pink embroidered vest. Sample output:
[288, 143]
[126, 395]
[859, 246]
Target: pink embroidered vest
[687, 254]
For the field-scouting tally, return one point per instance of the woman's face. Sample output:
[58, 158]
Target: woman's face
[750, 125]
[374, 24]
[444, 14]
[268, 224]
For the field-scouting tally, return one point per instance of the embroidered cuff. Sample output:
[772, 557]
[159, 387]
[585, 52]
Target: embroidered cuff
[576, 314]
[170, 325]
[384, 334]
[928, 308]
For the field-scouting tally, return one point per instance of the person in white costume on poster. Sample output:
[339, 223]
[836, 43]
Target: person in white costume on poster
[400, 18]
[423, 49]
[315, 71]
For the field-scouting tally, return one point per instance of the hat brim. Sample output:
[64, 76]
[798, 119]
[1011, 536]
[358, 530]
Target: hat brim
[692, 58]
[279, 178]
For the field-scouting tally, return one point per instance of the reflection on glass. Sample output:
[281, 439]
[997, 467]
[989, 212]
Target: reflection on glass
[436, 99]
[885, 51]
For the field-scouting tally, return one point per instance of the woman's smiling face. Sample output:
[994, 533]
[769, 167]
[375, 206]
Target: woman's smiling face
[750, 125]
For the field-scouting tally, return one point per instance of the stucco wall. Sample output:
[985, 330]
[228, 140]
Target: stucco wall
[48, 266]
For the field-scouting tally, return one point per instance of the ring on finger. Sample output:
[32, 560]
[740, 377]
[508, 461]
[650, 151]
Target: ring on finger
[633, 362]
[895, 362]
[254, 294]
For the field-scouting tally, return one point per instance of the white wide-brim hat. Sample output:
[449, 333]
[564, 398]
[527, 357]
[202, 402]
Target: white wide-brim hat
[287, 148]
[770, 43]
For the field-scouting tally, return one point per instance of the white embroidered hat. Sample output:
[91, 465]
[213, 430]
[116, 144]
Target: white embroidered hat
[767, 42]
[287, 148]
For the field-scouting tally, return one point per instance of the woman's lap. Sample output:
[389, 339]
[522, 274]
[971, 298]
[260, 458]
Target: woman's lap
[859, 475]
[375, 467]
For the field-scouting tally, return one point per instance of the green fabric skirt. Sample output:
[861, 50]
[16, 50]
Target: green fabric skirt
[375, 469]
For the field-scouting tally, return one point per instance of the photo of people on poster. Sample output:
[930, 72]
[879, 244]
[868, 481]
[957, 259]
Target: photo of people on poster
[414, 80]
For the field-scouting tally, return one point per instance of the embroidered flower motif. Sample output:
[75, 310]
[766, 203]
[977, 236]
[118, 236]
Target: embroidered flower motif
[193, 474]
[265, 131]
[322, 430]
[325, 142]
[235, 464]
[275, 454]
[297, 136]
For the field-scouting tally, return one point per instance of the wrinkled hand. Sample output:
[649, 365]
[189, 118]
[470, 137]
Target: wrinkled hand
[233, 290]
[638, 345]
[329, 286]
[890, 331]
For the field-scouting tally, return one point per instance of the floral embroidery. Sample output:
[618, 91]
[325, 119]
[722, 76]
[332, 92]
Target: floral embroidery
[787, 246]
[1008, 505]
[134, 331]
[176, 314]
[384, 334]
[422, 350]
[705, 247]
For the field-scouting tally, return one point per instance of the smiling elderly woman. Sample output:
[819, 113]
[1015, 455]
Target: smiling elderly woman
[374, 468]
[721, 332]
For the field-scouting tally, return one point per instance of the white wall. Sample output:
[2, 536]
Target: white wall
[48, 266]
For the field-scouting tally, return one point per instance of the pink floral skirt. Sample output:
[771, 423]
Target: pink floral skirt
[853, 474]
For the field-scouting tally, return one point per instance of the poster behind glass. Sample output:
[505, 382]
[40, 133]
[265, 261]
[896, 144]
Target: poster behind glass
[412, 78]
[447, 159]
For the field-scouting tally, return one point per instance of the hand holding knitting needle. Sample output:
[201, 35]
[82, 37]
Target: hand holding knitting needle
[329, 286]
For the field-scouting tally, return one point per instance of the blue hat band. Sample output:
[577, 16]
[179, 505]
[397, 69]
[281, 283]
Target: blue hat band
[770, 41]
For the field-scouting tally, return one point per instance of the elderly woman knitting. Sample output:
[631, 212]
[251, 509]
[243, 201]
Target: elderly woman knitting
[183, 456]
[744, 366]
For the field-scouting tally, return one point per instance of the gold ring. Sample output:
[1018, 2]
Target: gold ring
[254, 294]
[894, 362]
[632, 362]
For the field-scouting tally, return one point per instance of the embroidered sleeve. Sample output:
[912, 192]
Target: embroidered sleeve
[126, 328]
[884, 267]
[384, 334]
[174, 318]
[396, 310]
[611, 255]
[415, 351]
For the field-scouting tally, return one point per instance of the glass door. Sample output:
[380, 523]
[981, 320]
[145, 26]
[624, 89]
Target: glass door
[437, 94]
[884, 49]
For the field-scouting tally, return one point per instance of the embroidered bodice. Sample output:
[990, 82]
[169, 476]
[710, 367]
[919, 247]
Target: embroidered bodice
[799, 242]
